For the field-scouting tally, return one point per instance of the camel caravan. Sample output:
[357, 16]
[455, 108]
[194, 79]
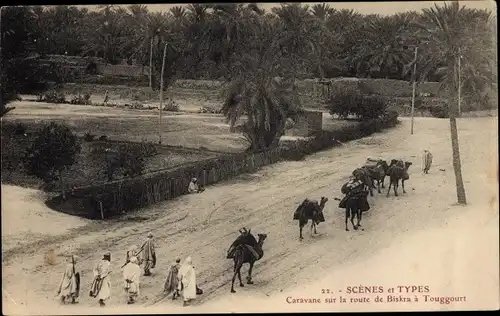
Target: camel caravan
[247, 249]
[181, 279]
[355, 200]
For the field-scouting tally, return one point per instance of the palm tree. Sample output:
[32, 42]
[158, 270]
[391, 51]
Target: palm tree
[325, 50]
[295, 39]
[257, 93]
[382, 50]
[451, 31]
[178, 12]
[322, 11]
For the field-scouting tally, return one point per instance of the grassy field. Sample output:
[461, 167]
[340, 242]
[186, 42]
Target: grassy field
[187, 136]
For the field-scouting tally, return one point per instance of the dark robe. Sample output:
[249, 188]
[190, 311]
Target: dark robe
[246, 239]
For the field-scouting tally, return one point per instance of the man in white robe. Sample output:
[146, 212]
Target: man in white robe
[148, 255]
[187, 281]
[131, 275]
[69, 287]
[426, 161]
[101, 286]
[194, 187]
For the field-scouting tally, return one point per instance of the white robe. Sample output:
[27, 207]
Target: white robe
[103, 269]
[132, 272]
[187, 276]
[193, 187]
[67, 287]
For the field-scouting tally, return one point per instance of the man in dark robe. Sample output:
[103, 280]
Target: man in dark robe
[247, 239]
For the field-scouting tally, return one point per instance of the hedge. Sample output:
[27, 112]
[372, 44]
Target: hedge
[129, 194]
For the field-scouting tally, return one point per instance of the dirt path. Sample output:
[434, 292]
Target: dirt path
[204, 225]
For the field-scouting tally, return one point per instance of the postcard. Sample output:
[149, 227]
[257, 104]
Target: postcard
[249, 157]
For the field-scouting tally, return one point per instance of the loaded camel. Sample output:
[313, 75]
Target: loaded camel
[363, 174]
[310, 210]
[245, 249]
[355, 202]
[398, 171]
[377, 172]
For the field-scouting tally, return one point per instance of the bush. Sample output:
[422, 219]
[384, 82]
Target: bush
[81, 100]
[439, 111]
[52, 96]
[53, 150]
[20, 129]
[211, 110]
[88, 137]
[351, 102]
[148, 149]
[131, 160]
[171, 106]
[344, 102]
[372, 106]
[128, 159]
[136, 105]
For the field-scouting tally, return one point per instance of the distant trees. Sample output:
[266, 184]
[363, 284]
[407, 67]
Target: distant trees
[318, 41]
[206, 41]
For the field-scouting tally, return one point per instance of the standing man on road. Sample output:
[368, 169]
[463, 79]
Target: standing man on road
[131, 275]
[148, 255]
[69, 288]
[101, 286]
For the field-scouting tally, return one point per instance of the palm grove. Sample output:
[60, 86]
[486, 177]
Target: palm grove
[260, 54]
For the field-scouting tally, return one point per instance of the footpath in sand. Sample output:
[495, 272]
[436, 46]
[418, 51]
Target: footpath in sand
[418, 238]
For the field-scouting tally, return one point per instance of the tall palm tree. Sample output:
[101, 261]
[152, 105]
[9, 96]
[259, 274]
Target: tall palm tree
[295, 36]
[451, 31]
[257, 93]
[383, 49]
[178, 12]
[322, 11]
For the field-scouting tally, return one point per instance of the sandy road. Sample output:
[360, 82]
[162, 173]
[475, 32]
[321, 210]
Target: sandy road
[265, 202]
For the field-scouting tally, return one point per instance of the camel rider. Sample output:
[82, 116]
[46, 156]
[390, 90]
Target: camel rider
[245, 238]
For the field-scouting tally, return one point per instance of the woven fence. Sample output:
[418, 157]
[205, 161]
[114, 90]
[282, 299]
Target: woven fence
[113, 198]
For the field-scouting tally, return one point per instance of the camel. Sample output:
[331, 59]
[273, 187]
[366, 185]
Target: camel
[378, 173]
[310, 210]
[243, 254]
[398, 171]
[363, 174]
[355, 203]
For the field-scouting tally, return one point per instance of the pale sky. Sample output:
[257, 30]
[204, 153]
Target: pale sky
[383, 8]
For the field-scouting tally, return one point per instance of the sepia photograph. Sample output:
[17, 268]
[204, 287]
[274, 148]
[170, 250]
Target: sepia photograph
[249, 157]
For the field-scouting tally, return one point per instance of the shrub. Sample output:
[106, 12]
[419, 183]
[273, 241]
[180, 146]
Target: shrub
[81, 100]
[52, 96]
[439, 111]
[20, 129]
[88, 137]
[344, 102]
[372, 106]
[148, 149]
[351, 102]
[53, 150]
[211, 110]
[171, 106]
[136, 105]
[128, 159]
[131, 160]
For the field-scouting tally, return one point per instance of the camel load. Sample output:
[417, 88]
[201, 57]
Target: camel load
[310, 210]
[247, 240]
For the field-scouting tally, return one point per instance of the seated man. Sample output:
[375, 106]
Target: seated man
[245, 238]
[194, 187]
